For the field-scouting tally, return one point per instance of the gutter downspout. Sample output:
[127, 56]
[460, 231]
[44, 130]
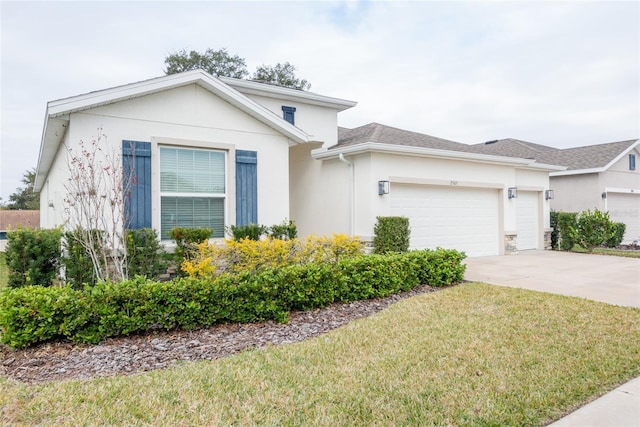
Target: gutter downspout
[351, 192]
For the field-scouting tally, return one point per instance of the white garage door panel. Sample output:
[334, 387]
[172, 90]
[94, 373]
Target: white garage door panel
[452, 218]
[527, 220]
[625, 208]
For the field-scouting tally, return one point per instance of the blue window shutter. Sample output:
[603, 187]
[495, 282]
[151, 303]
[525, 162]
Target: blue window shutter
[288, 113]
[246, 187]
[136, 162]
[632, 162]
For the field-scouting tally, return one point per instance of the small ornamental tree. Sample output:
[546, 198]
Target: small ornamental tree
[95, 206]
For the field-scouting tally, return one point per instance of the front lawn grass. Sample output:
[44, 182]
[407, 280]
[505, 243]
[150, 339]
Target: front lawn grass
[473, 354]
[617, 252]
[608, 251]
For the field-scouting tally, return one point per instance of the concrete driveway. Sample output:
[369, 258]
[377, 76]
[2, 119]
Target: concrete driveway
[610, 279]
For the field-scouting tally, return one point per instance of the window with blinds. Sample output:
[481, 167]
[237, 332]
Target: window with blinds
[192, 189]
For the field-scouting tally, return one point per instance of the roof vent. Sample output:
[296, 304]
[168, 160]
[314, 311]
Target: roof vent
[491, 142]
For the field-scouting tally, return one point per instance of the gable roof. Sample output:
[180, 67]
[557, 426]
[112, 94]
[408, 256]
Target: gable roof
[59, 111]
[376, 132]
[578, 160]
[592, 157]
[376, 137]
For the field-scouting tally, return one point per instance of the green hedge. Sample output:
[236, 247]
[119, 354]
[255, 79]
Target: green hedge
[33, 256]
[35, 314]
[586, 229]
[391, 234]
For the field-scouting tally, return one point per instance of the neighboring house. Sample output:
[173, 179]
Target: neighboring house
[218, 151]
[602, 176]
[12, 219]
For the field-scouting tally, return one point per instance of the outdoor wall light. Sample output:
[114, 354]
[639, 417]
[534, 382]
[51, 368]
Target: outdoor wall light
[548, 194]
[513, 192]
[383, 187]
[604, 195]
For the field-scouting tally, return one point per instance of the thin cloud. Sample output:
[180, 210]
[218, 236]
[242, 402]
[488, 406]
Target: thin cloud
[556, 73]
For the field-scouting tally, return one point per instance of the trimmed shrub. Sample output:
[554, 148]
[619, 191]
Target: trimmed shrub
[78, 267]
[187, 240]
[34, 314]
[32, 256]
[284, 231]
[597, 229]
[616, 234]
[592, 229]
[145, 255]
[566, 224]
[249, 231]
[391, 234]
[555, 233]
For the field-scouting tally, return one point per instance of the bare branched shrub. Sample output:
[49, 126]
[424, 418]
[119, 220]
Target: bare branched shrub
[95, 207]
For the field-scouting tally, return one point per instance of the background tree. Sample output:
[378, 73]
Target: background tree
[221, 63]
[215, 62]
[281, 74]
[24, 197]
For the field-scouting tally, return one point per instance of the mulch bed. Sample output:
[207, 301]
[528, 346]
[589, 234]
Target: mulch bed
[56, 361]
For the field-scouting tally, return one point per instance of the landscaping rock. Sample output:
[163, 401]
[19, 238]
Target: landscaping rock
[161, 349]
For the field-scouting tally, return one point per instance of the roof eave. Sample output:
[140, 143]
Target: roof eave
[272, 91]
[52, 136]
[578, 171]
[622, 154]
[326, 154]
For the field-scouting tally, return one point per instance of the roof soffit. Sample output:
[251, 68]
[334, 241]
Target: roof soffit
[372, 147]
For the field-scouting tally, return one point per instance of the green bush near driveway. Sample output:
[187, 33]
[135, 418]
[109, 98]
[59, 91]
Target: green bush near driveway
[586, 229]
[391, 234]
[35, 314]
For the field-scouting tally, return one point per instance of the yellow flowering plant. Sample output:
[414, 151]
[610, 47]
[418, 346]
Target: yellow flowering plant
[233, 256]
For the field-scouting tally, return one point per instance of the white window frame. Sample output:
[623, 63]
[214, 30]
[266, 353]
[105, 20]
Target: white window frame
[223, 196]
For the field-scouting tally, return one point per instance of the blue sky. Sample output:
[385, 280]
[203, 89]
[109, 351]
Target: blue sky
[557, 73]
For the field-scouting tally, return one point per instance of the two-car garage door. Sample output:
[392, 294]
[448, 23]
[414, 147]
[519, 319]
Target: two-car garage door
[465, 219]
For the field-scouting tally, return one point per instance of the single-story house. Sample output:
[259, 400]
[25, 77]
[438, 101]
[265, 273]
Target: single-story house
[12, 219]
[215, 152]
[602, 176]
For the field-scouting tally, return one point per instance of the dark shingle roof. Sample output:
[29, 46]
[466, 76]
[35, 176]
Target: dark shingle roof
[587, 157]
[376, 132]
[512, 148]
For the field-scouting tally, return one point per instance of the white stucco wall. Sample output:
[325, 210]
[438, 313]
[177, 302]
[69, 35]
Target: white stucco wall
[576, 193]
[319, 193]
[189, 116]
[369, 168]
[620, 176]
[321, 123]
[452, 172]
